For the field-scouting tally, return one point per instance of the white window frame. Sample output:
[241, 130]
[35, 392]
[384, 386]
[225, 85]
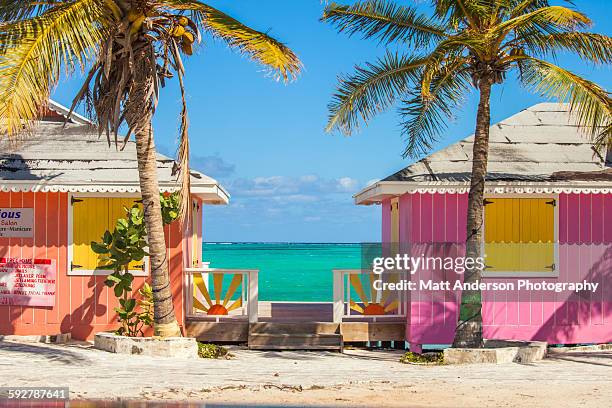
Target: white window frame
[95, 272]
[526, 274]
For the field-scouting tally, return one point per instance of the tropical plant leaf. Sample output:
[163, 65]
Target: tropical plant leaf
[371, 90]
[457, 12]
[590, 104]
[544, 19]
[19, 9]
[424, 118]
[98, 248]
[259, 46]
[384, 20]
[596, 48]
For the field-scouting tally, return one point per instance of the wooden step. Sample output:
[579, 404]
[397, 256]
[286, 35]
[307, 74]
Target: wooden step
[295, 341]
[294, 328]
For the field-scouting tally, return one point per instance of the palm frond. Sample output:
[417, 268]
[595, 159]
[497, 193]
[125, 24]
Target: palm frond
[590, 105]
[450, 50]
[371, 90]
[426, 117]
[596, 48]
[466, 12]
[520, 7]
[549, 20]
[11, 10]
[184, 175]
[34, 51]
[259, 46]
[384, 20]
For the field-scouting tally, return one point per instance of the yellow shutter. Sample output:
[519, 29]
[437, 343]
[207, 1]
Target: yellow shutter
[91, 217]
[502, 234]
[89, 221]
[519, 234]
[537, 235]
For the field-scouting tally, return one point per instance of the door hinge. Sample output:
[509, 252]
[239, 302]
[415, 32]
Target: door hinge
[75, 200]
[74, 266]
[487, 202]
[552, 202]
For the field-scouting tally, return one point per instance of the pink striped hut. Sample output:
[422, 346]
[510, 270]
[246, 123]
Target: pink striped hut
[547, 185]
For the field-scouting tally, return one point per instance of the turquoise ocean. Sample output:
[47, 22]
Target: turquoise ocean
[287, 271]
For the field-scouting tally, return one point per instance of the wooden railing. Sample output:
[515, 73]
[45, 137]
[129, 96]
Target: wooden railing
[218, 294]
[368, 302]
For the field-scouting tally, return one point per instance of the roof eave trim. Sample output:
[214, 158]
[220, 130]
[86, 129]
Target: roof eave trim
[211, 194]
[208, 193]
[64, 111]
[377, 192]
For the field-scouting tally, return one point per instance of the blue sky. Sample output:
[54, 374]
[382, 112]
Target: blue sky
[265, 141]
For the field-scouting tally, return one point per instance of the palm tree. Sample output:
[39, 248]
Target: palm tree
[129, 48]
[467, 44]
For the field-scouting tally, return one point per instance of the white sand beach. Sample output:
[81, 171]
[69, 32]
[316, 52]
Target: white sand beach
[357, 378]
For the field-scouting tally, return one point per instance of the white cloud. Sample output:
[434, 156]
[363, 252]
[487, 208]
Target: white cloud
[347, 183]
[307, 185]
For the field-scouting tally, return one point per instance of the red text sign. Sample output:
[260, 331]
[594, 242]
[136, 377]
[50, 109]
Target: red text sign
[27, 282]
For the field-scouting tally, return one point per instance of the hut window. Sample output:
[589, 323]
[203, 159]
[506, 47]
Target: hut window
[520, 237]
[91, 216]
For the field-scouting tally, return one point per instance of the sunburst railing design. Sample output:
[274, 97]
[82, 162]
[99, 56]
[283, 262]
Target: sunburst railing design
[355, 295]
[219, 304]
[222, 293]
[371, 302]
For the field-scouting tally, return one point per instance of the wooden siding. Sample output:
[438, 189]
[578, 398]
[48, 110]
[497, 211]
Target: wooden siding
[83, 304]
[585, 252]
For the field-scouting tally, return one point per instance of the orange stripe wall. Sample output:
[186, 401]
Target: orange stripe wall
[83, 304]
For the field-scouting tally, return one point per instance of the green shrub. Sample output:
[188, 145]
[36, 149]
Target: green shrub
[427, 358]
[207, 350]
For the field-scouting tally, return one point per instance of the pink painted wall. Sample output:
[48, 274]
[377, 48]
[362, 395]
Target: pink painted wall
[585, 252]
[83, 304]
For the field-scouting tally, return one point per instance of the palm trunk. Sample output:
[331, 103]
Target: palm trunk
[469, 328]
[139, 114]
[163, 309]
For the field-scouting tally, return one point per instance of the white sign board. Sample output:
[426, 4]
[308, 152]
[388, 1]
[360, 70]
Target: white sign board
[16, 223]
[27, 282]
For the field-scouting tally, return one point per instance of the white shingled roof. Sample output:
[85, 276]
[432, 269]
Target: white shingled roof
[72, 157]
[539, 146]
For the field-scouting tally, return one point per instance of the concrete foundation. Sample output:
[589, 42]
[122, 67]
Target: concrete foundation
[498, 352]
[181, 347]
[47, 339]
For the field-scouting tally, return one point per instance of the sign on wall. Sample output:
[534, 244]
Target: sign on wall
[27, 282]
[16, 223]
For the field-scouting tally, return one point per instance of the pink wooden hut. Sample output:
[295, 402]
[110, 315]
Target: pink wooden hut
[61, 188]
[546, 183]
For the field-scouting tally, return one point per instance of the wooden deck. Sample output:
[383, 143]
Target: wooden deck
[299, 317]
